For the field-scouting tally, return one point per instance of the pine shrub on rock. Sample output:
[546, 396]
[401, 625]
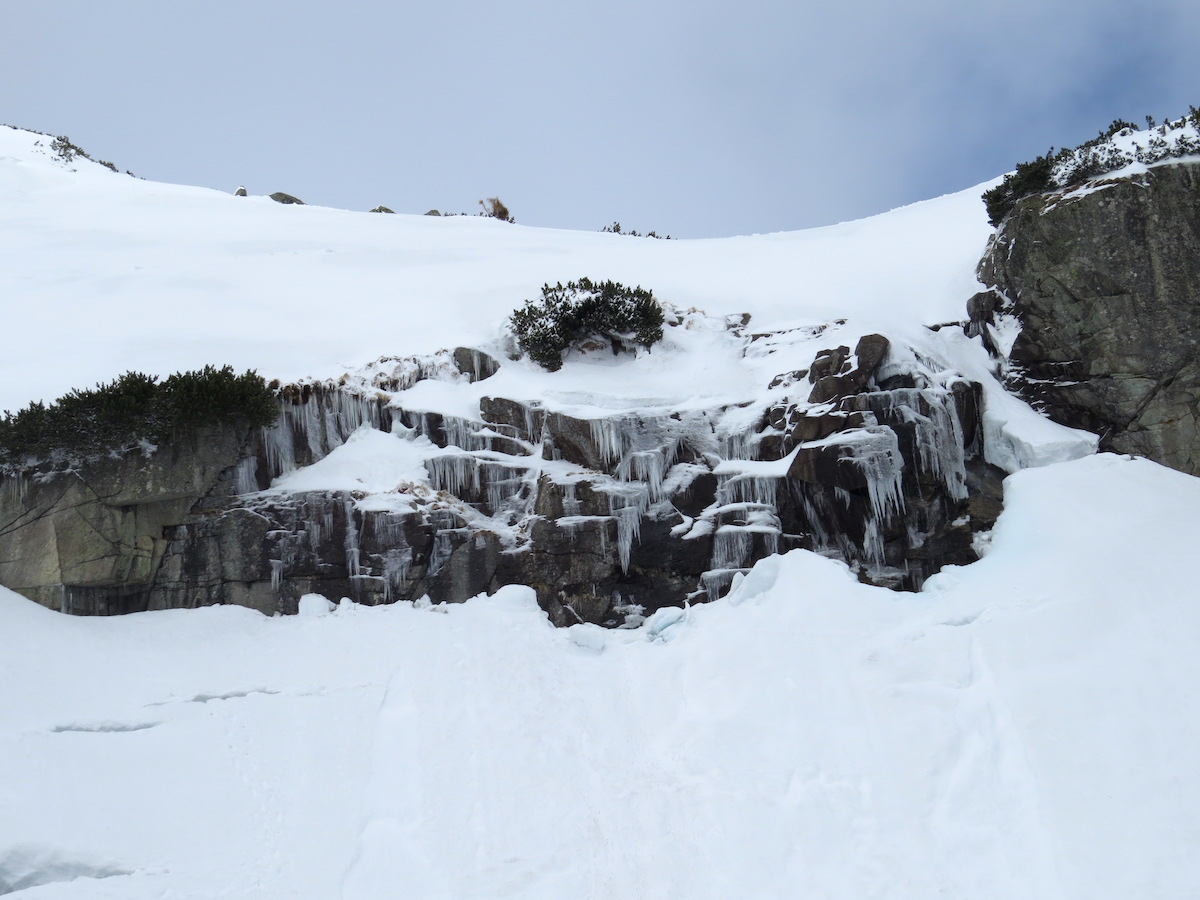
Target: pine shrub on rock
[133, 408]
[1073, 166]
[581, 310]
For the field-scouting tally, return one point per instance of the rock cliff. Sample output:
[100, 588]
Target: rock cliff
[871, 455]
[1104, 281]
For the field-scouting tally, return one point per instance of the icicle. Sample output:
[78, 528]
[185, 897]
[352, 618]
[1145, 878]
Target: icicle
[716, 582]
[627, 503]
[761, 490]
[276, 574]
[813, 516]
[455, 473]
[940, 443]
[245, 481]
[609, 437]
[312, 425]
[277, 442]
[938, 436]
[353, 553]
[536, 435]
[731, 547]
[873, 543]
[736, 446]
[463, 433]
[444, 526]
[569, 502]
[647, 466]
[15, 489]
[389, 528]
[879, 461]
[396, 565]
[442, 549]
[503, 485]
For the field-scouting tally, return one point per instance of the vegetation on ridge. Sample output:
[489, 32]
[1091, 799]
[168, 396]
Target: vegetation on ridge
[132, 409]
[1071, 166]
[615, 228]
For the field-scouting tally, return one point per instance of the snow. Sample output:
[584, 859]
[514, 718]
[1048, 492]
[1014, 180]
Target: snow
[1023, 728]
[115, 273]
[1015, 436]
[371, 461]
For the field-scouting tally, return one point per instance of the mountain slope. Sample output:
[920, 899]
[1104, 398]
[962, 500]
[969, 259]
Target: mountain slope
[1022, 727]
[114, 273]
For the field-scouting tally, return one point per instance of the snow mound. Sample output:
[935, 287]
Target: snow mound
[1016, 730]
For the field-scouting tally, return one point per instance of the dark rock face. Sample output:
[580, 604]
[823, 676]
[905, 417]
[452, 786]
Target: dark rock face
[1107, 289]
[608, 519]
[92, 539]
[475, 364]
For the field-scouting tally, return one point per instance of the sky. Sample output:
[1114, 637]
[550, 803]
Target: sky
[703, 119]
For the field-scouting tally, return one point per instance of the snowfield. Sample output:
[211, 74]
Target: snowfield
[1025, 727]
[102, 273]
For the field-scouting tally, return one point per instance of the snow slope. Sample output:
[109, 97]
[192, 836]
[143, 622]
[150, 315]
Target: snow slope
[101, 273]
[1024, 727]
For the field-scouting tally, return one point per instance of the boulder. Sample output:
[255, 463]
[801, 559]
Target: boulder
[870, 352]
[475, 364]
[1105, 286]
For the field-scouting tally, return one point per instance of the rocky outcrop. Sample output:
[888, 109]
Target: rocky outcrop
[92, 538]
[1105, 282]
[287, 199]
[607, 518]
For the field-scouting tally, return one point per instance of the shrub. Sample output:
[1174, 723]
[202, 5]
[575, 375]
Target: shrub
[1072, 166]
[494, 207]
[580, 310]
[135, 407]
[615, 228]
[1029, 178]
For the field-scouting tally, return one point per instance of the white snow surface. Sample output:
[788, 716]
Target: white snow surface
[1024, 727]
[101, 273]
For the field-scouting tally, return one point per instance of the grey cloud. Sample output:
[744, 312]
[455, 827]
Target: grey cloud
[707, 119]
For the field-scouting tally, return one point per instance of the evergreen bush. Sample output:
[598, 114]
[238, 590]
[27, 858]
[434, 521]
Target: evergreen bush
[133, 408]
[580, 310]
[615, 228]
[1071, 166]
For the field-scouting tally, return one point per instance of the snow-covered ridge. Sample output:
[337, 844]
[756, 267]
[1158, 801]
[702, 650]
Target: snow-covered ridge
[1130, 151]
[104, 274]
